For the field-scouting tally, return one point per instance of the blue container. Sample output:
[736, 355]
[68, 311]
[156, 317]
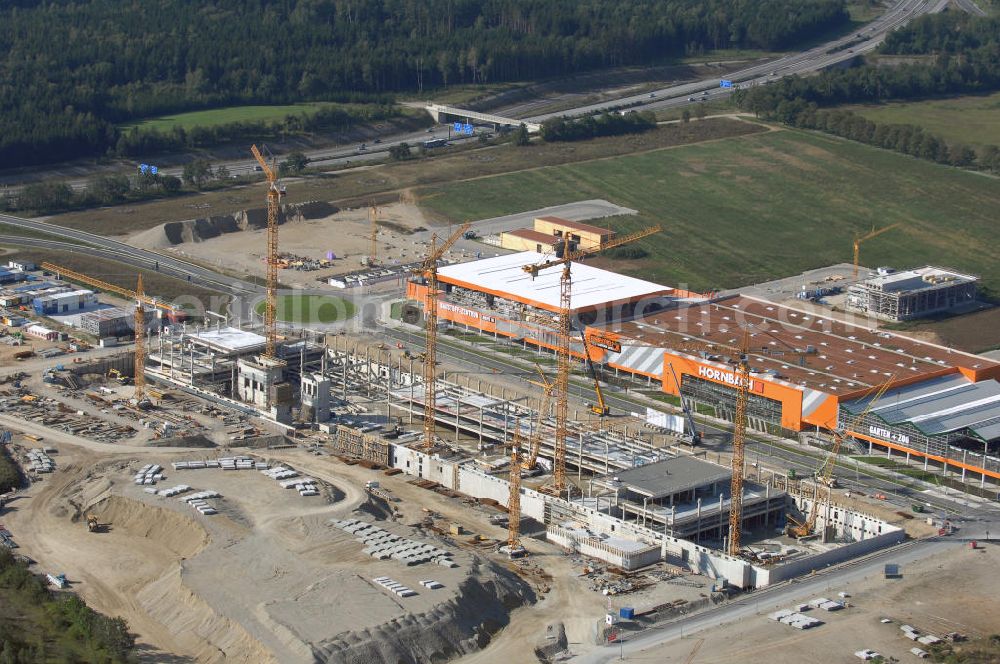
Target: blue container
[626, 612]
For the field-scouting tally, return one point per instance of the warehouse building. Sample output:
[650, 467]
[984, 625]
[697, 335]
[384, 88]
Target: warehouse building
[580, 235]
[912, 294]
[63, 303]
[496, 296]
[804, 365]
[949, 422]
[116, 322]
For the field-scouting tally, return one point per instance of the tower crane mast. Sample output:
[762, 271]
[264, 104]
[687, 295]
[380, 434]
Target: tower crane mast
[274, 193]
[563, 331]
[429, 268]
[140, 342]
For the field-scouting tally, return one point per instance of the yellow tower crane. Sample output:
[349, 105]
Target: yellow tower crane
[274, 194]
[563, 332]
[824, 474]
[514, 500]
[858, 239]
[535, 442]
[140, 342]
[140, 298]
[429, 268]
[742, 355]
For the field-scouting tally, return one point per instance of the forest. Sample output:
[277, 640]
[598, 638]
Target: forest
[74, 70]
[963, 57]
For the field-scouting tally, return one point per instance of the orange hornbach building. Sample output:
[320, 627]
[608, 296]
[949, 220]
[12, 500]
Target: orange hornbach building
[811, 370]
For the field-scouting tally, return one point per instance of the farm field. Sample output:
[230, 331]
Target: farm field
[752, 208]
[220, 116]
[971, 119]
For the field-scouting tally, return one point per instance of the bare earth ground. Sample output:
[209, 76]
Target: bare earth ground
[347, 234]
[957, 591]
[256, 583]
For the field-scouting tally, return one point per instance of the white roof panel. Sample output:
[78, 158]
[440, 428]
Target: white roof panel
[230, 338]
[591, 286]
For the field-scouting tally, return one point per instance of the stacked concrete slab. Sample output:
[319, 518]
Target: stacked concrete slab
[794, 619]
[394, 587]
[383, 545]
[149, 474]
[40, 462]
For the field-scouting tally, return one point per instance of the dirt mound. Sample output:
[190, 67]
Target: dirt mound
[175, 532]
[457, 627]
[208, 636]
[198, 230]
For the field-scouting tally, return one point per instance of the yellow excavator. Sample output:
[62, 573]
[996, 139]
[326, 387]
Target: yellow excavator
[119, 376]
[92, 524]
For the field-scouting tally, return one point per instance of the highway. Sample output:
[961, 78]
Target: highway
[814, 59]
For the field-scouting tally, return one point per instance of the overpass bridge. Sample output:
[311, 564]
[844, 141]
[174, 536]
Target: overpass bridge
[448, 114]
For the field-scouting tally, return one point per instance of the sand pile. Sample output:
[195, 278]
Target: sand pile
[173, 531]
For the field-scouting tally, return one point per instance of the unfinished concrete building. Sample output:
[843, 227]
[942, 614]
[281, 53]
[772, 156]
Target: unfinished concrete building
[912, 294]
[686, 497]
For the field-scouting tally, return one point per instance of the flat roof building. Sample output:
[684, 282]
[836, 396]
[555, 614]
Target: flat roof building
[496, 296]
[804, 365]
[689, 497]
[912, 294]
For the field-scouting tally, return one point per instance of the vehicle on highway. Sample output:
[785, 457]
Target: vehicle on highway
[652, 94]
[363, 147]
[704, 93]
[377, 141]
[430, 130]
[258, 168]
[690, 98]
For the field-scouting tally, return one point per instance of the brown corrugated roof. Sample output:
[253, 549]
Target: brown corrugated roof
[534, 236]
[578, 226]
[847, 357]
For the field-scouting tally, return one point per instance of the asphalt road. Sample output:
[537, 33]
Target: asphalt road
[815, 59]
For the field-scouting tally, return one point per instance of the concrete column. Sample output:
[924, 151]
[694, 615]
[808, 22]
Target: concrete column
[480, 426]
[869, 448]
[645, 502]
[697, 535]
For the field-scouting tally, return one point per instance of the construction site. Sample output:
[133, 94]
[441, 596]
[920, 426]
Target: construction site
[262, 492]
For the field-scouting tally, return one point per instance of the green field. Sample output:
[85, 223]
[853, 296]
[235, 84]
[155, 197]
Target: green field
[973, 120]
[221, 116]
[747, 209]
[311, 309]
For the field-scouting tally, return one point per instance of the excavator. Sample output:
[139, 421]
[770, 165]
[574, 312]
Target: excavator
[92, 524]
[600, 408]
[119, 376]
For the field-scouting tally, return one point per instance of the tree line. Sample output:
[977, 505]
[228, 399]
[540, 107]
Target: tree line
[74, 70]
[606, 124]
[140, 141]
[38, 625]
[964, 57]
